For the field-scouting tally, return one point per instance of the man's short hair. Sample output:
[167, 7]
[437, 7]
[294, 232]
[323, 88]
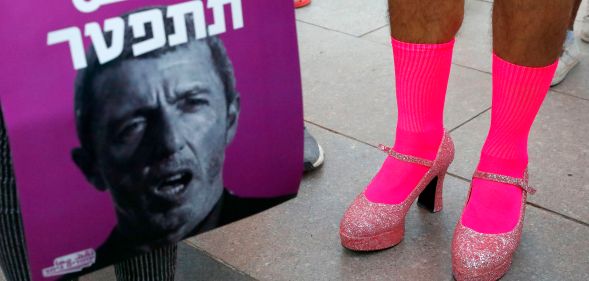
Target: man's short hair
[84, 92]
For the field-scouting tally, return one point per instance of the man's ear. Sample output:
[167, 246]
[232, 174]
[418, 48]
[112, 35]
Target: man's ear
[86, 164]
[232, 118]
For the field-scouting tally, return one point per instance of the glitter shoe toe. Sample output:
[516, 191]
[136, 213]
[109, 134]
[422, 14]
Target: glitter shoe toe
[487, 257]
[369, 226]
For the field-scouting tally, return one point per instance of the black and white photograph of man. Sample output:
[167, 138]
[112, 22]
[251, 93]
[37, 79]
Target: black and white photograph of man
[153, 131]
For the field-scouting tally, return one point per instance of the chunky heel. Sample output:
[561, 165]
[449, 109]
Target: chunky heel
[370, 226]
[431, 197]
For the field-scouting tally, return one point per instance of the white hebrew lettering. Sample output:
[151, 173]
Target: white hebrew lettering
[138, 21]
[178, 13]
[73, 36]
[116, 26]
[89, 6]
[219, 15]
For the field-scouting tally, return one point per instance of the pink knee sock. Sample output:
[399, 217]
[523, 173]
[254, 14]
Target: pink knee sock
[421, 75]
[518, 92]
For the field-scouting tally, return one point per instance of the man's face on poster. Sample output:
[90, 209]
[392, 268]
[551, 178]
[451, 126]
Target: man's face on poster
[160, 128]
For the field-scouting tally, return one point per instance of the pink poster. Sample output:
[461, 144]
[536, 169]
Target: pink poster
[129, 121]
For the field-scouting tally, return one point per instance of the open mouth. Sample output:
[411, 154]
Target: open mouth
[173, 184]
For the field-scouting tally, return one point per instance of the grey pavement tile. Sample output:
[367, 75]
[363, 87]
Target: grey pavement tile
[474, 39]
[351, 89]
[192, 265]
[299, 240]
[558, 150]
[105, 274]
[381, 36]
[348, 16]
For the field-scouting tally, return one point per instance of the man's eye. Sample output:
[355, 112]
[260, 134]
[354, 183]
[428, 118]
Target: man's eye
[132, 131]
[192, 103]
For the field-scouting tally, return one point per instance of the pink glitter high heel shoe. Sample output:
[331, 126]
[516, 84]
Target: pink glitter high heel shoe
[368, 226]
[487, 257]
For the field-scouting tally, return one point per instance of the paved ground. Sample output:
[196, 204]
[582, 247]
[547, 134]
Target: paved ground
[349, 106]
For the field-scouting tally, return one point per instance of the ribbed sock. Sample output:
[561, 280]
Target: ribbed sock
[421, 76]
[518, 93]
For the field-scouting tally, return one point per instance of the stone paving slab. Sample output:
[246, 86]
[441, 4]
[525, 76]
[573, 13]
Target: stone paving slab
[558, 149]
[474, 39]
[348, 86]
[299, 240]
[192, 265]
[197, 266]
[347, 16]
[105, 274]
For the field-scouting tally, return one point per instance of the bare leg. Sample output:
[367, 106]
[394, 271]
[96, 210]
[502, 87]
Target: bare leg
[422, 34]
[425, 21]
[527, 39]
[530, 32]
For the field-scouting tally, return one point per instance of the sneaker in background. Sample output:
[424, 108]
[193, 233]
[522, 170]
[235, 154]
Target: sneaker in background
[585, 29]
[314, 154]
[568, 59]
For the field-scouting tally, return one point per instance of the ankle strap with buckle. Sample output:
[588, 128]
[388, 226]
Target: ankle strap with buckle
[519, 182]
[405, 157]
